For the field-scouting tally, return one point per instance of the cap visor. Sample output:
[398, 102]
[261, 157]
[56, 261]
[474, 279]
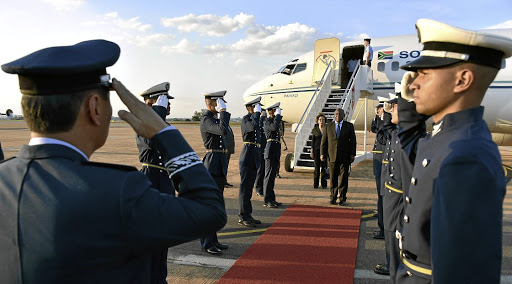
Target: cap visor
[427, 62]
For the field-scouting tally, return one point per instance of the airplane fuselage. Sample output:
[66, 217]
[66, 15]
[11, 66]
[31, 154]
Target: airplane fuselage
[293, 86]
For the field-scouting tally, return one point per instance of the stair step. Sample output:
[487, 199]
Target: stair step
[305, 156]
[337, 91]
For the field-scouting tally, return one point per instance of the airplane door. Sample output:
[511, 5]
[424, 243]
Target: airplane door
[327, 51]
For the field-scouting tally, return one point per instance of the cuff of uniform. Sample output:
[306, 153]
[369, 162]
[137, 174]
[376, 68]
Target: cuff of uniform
[175, 151]
[170, 127]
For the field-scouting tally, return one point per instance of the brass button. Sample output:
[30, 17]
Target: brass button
[413, 181]
[389, 191]
[391, 175]
[409, 273]
[424, 163]
[406, 219]
[407, 199]
[392, 159]
[392, 151]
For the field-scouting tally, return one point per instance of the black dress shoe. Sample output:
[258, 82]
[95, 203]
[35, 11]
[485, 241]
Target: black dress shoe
[332, 202]
[324, 186]
[213, 250]
[315, 186]
[381, 269]
[221, 246]
[246, 223]
[343, 202]
[270, 205]
[254, 221]
[277, 203]
[379, 235]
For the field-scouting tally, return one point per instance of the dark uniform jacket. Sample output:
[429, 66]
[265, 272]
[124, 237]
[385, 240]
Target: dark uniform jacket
[262, 139]
[66, 220]
[271, 127]
[230, 140]
[453, 220]
[250, 155]
[212, 131]
[345, 145]
[380, 139]
[149, 155]
[387, 128]
[392, 181]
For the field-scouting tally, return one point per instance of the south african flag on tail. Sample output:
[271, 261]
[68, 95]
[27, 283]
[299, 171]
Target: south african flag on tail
[385, 55]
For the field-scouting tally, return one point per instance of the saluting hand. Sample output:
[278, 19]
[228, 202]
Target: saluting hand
[143, 119]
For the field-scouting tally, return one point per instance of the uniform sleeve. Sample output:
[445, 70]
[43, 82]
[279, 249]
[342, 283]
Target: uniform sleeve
[252, 122]
[466, 222]
[217, 127]
[272, 124]
[153, 219]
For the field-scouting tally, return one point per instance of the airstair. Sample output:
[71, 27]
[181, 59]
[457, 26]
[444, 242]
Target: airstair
[326, 98]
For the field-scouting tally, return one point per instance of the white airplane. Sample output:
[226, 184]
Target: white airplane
[293, 84]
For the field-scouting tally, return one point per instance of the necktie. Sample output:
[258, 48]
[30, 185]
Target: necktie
[337, 130]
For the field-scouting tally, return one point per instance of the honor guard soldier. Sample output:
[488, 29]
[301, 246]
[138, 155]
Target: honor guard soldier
[262, 140]
[156, 97]
[378, 146]
[272, 154]
[65, 219]
[249, 161]
[453, 220]
[213, 130]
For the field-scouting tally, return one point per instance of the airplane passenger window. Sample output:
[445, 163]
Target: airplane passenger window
[381, 66]
[300, 67]
[395, 66]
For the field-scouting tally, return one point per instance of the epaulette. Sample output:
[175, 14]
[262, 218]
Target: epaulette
[7, 159]
[110, 166]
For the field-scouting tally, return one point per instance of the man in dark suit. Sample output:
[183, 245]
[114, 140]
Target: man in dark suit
[339, 144]
[249, 161]
[452, 230]
[156, 97]
[213, 131]
[65, 219]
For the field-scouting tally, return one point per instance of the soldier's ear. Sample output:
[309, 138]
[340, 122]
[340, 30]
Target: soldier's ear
[464, 79]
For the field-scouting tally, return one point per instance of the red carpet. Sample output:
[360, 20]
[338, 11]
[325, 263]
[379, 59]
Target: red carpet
[307, 244]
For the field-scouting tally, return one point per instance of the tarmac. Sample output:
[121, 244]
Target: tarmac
[187, 263]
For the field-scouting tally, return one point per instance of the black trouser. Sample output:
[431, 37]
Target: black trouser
[260, 175]
[271, 168]
[320, 168]
[211, 239]
[377, 169]
[339, 168]
[392, 253]
[247, 179]
[158, 267]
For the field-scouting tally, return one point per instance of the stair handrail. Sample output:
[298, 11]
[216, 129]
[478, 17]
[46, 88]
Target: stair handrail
[320, 83]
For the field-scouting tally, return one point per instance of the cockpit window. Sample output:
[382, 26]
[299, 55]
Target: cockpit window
[295, 60]
[300, 67]
[287, 70]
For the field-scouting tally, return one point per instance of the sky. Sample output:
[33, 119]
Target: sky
[201, 46]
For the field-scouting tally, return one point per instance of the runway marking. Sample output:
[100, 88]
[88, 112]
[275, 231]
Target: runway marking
[242, 232]
[367, 216]
[204, 261]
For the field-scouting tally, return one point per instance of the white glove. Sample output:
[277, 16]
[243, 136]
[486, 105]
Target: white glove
[162, 100]
[278, 111]
[220, 105]
[408, 78]
[257, 108]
